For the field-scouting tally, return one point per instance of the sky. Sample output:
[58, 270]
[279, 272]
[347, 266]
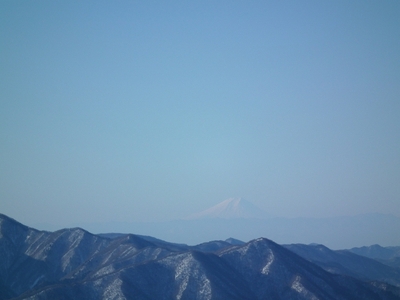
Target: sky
[153, 110]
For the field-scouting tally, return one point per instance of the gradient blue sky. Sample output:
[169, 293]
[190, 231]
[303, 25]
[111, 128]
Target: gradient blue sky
[152, 110]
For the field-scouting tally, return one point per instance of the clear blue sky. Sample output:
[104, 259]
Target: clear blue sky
[152, 110]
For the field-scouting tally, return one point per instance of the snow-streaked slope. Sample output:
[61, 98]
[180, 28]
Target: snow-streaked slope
[232, 208]
[75, 264]
[273, 272]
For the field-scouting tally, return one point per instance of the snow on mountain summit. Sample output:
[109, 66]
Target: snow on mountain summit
[232, 208]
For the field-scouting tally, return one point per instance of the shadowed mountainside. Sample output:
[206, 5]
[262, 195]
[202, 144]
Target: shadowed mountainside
[75, 264]
[347, 263]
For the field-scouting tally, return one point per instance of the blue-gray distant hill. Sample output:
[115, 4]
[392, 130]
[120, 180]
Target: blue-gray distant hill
[387, 255]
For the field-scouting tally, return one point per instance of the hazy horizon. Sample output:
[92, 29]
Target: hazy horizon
[150, 111]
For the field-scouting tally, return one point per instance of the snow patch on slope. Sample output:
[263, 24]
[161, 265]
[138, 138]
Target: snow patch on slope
[182, 276]
[270, 260]
[189, 275]
[114, 291]
[298, 287]
[75, 239]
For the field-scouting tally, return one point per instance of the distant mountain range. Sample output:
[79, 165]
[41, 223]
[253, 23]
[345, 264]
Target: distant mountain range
[75, 264]
[243, 220]
[345, 262]
[386, 255]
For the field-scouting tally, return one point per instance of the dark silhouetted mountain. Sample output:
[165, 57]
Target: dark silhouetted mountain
[75, 264]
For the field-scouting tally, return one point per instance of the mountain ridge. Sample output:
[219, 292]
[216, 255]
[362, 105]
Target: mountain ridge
[75, 264]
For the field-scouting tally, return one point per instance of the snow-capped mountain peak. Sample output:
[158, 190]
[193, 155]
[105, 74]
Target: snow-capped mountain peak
[232, 208]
